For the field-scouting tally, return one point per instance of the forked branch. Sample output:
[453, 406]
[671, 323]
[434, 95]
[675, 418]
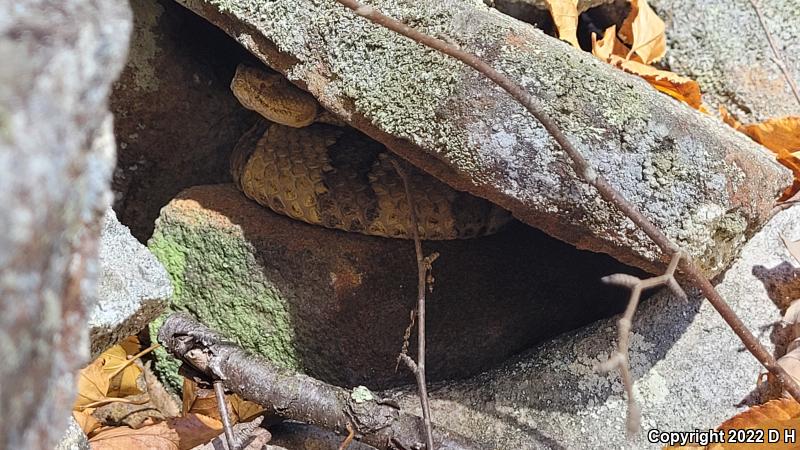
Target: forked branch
[423, 267]
[620, 359]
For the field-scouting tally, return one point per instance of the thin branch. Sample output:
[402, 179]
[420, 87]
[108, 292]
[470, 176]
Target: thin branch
[133, 359]
[422, 273]
[584, 170]
[219, 391]
[620, 359]
[350, 435]
[406, 338]
[779, 59]
[108, 400]
[376, 421]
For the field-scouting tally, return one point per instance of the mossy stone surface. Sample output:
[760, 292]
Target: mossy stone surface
[336, 305]
[216, 277]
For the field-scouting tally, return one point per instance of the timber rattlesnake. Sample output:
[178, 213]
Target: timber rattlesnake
[338, 178]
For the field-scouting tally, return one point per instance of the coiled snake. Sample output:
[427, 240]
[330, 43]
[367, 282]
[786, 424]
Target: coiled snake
[338, 178]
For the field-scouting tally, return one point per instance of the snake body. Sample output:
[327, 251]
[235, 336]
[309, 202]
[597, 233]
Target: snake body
[338, 178]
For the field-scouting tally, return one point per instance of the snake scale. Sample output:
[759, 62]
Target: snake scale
[338, 178]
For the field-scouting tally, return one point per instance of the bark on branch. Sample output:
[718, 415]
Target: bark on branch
[375, 421]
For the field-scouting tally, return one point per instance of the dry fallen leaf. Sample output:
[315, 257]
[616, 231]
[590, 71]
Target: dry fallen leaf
[643, 30]
[781, 136]
[611, 50]
[244, 410]
[156, 437]
[729, 119]
[610, 45]
[604, 48]
[565, 16]
[791, 361]
[117, 362]
[779, 415]
[92, 384]
[681, 88]
[195, 429]
[159, 397]
[173, 434]
[131, 345]
[204, 401]
[86, 421]
[786, 337]
[189, 394]
[780, 409]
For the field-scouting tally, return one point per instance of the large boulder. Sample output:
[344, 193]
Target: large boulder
[723, 45]
[691, 370]
[705, 185]
[336, 304]
[56, 157]
[172, 94]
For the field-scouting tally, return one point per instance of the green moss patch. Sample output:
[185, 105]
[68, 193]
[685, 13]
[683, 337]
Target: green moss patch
[218, 280]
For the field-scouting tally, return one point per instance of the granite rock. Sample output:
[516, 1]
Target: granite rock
[56, 157]
[132, 290]
[706, 186]
[74, 438]
[691, 371]
[728, 53]
[176, 120]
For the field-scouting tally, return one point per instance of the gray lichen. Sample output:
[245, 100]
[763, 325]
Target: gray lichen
[728, 53]
[668, 160]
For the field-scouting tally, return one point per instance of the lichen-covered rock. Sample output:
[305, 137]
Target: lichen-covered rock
[705, 185]
[133, 288]
[336, 304]
[56, 156]
[176, 120]
[722, 45]
[690, 368]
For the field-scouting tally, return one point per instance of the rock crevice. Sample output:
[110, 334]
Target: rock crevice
[687, 172]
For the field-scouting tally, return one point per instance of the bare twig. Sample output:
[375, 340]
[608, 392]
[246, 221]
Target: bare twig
[780, 206]
[133, 359]
[778, 55]
[378, 422]
[406, 338]
[219, 391]
[423, 265]
[163, 400]
[108, 400]
[584, 170]
[620, 359]
[350, 435]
